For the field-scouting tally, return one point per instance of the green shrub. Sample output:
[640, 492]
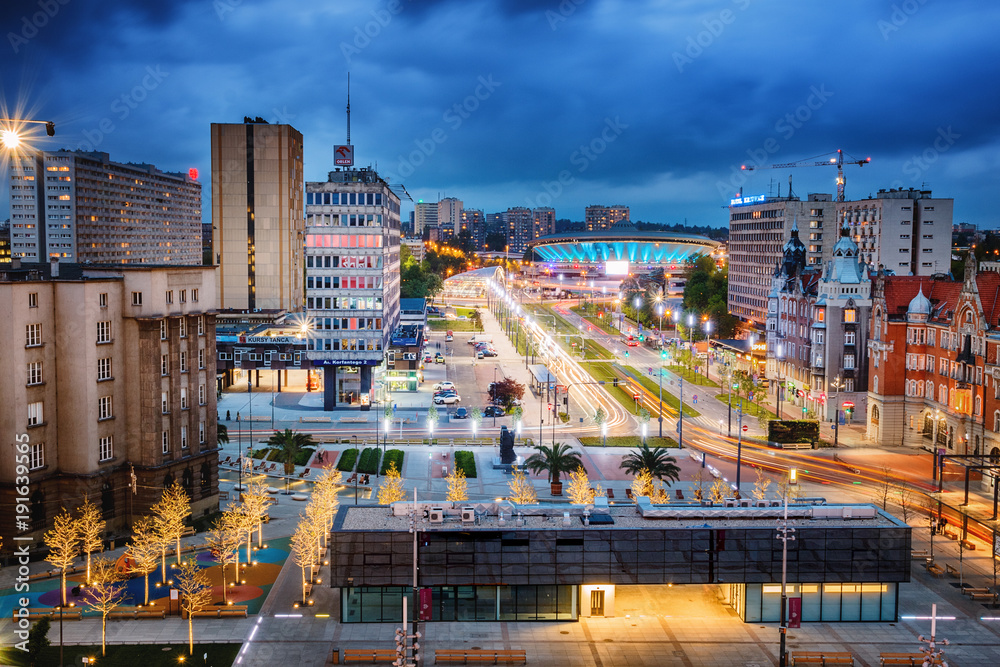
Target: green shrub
[793, 430]
[301, 458]
[466, 462]
[393, 456]
[261, 453]
[368, 463]
[627, 441]
[347, 459]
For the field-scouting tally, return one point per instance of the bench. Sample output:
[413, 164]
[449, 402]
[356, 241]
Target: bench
[950, 534]
[495, 656]
[188, 531]
[256, 418]
[919, 555]
[911, 659]
[983, 597]
[315, 420]
[821, 658]
[353, 420]
[221, 611]
[968, 544]
[951, 569]
[969, 590]
[35, 613]
[935, 570]
[369, 655]
[137, 612]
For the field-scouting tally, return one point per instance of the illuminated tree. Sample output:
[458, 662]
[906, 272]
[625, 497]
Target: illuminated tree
[644, 485]
[196, 593]
[256, 500]
[223, 540]
[699, 484]
[522, 491]
[302, 550]
[326, 499]
[91, 528]
[719, 491]
[105, 593]
[579, 490]
[760, 485]
[145, 550]
[63, 542]
[173, 508]
[458, 487]
[391, 490]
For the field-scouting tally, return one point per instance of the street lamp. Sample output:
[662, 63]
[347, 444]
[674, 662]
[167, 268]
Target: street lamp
[781, 388]
[837, 385]
[784, 534]
[11, 137]
[708, 343]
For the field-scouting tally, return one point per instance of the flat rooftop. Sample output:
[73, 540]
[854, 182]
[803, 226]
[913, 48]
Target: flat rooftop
[626, 517]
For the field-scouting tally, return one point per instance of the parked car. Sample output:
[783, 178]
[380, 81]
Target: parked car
[447, 384]
[479, 354]
[449, 338]
[447, 399]
[489, 352]
[461, 413]
[493, 411]
[442, 392]
[428, 358]
[438, 358]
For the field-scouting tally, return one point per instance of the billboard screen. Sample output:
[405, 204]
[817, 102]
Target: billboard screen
[616, 268]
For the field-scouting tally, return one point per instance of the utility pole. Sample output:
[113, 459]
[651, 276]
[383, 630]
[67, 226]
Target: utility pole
[784, 535]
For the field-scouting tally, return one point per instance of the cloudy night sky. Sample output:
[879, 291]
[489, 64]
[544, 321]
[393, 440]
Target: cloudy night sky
[653, 104]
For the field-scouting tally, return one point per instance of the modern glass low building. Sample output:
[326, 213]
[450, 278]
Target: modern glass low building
[495, 561]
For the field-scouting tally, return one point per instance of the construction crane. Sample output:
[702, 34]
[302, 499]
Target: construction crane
[837, 161]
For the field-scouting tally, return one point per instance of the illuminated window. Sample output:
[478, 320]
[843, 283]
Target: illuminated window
[850, 315]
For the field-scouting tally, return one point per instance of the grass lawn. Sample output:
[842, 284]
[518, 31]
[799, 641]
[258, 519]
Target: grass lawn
[451, 325]
[749, 409]
[596, 321]
[147, 655]
[466, 312]
[692, 377]
[668, 398]
[627, 441]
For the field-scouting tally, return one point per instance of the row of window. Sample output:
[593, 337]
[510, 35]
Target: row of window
[345, 344]
[343, 199]
[168, 297]
[344, 282]
[33, 332]
[181, 361]
[344, 303]
[165, 399]
[344, 261]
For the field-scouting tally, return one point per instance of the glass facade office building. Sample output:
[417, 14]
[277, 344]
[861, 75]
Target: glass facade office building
[841, 569]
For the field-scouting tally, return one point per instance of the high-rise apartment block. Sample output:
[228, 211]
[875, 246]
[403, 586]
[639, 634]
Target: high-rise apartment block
[523, 225]
[82, 207]
[352, 246]
[257, 203]
[604, 217]
[474, 221]
[107, 372]
[425, 215]
[907, 232]
[449, 215]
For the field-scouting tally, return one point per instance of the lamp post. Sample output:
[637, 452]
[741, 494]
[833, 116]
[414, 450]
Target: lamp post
[837, 385]
[708, 343]
[784, 534]
[663, 355]
[10, 135]
[781, 388]
[739, 446]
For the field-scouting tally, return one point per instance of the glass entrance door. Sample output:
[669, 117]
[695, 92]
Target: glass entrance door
[597, 603]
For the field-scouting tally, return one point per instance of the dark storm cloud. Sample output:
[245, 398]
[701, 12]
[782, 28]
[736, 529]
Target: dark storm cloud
[651, 103]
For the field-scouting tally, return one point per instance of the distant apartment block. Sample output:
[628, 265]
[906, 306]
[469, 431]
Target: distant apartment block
[474, 221]
[82, 207]
[604, 217]
[449, 215]
[257, 223]
[425, 215]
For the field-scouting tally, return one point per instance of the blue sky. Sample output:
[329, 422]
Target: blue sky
[650, 103]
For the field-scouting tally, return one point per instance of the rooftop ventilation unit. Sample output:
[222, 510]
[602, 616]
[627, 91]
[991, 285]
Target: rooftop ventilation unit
[468, 515]
[437, 515]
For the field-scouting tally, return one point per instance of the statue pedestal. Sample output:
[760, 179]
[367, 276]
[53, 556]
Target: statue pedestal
[507, 467]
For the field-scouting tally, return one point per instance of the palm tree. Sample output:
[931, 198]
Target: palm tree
[222, 433]
[289, 445]
[657, 460]
[555, 460]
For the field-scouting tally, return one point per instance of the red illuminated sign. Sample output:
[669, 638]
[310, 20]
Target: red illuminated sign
[193, 174]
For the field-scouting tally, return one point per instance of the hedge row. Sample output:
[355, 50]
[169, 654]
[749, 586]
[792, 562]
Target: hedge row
[347, 459]
[368, 463]
[627, 441]
[393, 456]
[466, 462]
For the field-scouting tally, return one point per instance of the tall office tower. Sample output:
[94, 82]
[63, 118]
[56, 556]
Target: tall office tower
[604, 217]
[543, 221]
[904, 231]
[257, 221]
[82, 207]
[449, 215]
[425, 215]
[759, 227]
[107, 371]
[352, 281]
[474, 221]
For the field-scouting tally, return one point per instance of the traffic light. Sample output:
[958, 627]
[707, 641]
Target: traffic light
[663, 354]
[614, 382]
[641, 338]
[626, 353]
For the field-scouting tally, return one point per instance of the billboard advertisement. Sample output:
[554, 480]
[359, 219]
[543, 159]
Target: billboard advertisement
[616, 268]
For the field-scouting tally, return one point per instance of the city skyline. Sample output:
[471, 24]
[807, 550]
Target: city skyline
[522, 104]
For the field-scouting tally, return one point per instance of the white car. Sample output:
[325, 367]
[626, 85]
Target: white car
[447, 399]
[444, 385]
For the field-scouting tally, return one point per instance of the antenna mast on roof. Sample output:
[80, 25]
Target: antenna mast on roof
[348, 108]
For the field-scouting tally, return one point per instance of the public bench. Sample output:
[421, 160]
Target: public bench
[821, 658]
[353, 420]
[951, 569]
[983, 597]
[935, 570]
[256, 418]
[34, 613]
[221, 611]
[188, 531]
[969, 544]
[920, 554]
[138, 612]
[369, 655]
[315, 420]
[950, 534]
[911, 659]
[495, 657]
